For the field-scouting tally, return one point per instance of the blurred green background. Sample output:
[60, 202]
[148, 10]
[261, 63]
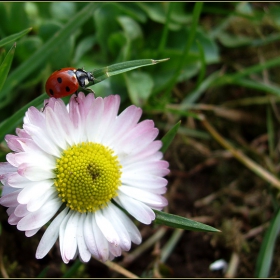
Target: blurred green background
[222, 73]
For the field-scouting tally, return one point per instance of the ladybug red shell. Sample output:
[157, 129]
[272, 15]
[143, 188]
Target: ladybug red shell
[67, 81]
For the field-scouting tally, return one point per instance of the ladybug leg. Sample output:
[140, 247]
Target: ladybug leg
[76, 96]
[89, 90]
[45, 107]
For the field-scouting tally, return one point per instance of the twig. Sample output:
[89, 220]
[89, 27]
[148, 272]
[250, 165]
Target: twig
[116, 267]
[233, 266]
[257, 169]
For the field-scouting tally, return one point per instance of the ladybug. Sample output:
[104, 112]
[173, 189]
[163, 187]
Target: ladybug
[67, 81]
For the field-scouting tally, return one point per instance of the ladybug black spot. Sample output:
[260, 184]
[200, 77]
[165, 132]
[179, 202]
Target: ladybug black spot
[51, 91]
[67, 89]
[59, 80]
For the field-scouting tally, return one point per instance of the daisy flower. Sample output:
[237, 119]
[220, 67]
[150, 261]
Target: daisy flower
[72, 166]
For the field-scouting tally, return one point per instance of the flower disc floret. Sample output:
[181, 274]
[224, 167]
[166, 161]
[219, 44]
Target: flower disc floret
[87, 176]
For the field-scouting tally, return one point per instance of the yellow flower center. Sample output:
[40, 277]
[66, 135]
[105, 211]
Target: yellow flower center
[87, 176]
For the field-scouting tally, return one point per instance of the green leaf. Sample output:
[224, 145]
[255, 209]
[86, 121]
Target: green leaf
[265, 256]
[83, 46]
[115, 69]
[63, 10]
[5, 66]
[169, 136]
[131, 28]
[139, 86]
[14, 37]
[181, 222]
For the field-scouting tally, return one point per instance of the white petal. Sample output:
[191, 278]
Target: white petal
[123, 123]
[55, 129]
[13, 219]
[21, 210]
[94, 120]
[34, 190]
[144, 155]
[106, 228]
[131, 228]
[137, 209]
[143, 180]
[101, 241]
[10, 200]
[50, 235]
[32, 232]
[151, 199]
[5, 167]
[89, 236]
[39, 218]
[34, 172]
[37, 202]
[17, 181]
[63, 115]
[85, 255]
[157, 168]
[109, 213]
[94, 239]
[7, 190]
[111, 107]
[70, 238]
[42, 139]
[62, 229]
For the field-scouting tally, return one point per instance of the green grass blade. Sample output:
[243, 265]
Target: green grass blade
[202, 72]
[72, 270]
[181, 222]
[8, 125]
[169, 136]
[196, 14]
[42, 55]
[108, 71]
[258, 85]
[232, 78]
[5, 66]
[43, 273]
[196, 94]
[265, 256]
[14, 37]
[270, 132]
[164, 36]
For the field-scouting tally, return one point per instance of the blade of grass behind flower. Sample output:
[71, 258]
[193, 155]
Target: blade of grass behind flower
[169, 136]
[232, 78]
[258, 85]
[43, 273]
[14, 37]
[195, 18]
[72, 270]
[196, 93]
[5, 65]
[265, 256]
